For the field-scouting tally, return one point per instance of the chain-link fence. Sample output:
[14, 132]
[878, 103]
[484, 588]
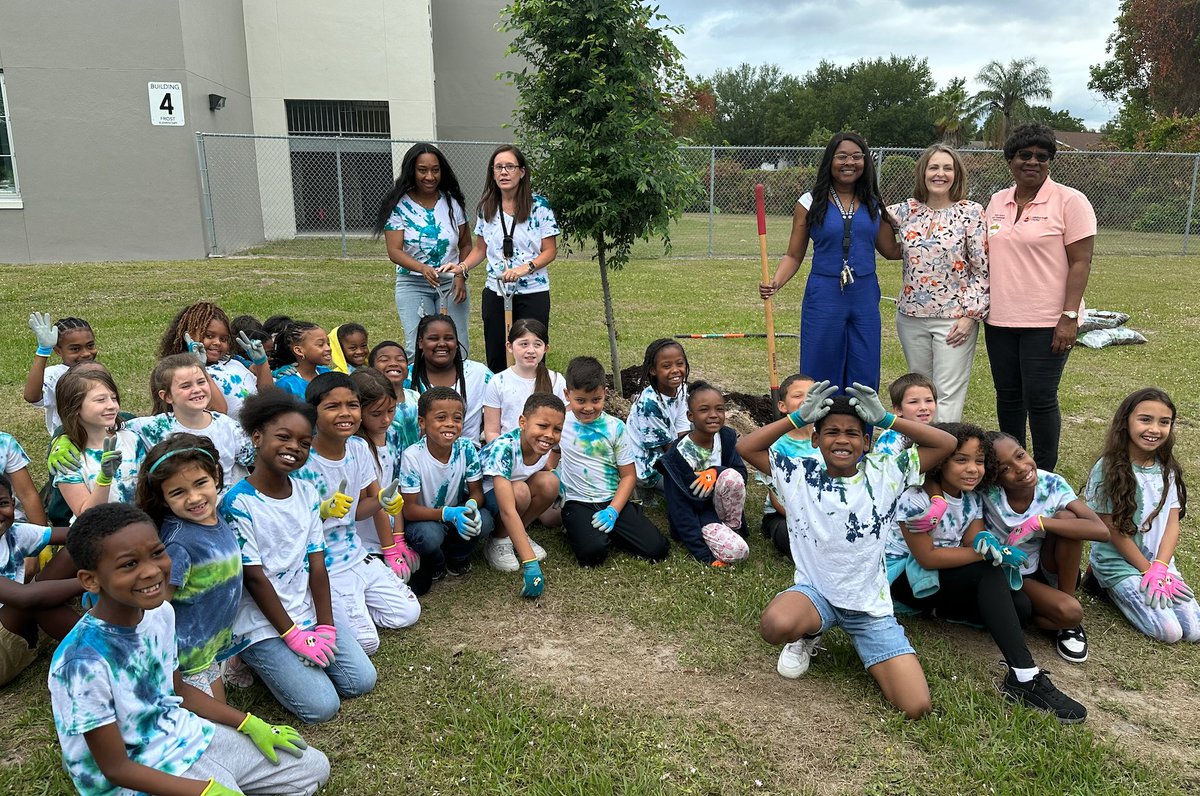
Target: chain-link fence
[311, 196]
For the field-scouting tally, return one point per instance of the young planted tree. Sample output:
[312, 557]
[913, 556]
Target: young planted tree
[592, 116]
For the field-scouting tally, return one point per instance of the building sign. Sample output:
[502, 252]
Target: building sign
[166, 104]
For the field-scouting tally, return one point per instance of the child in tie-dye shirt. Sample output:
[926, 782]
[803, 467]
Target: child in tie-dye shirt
[659, 415]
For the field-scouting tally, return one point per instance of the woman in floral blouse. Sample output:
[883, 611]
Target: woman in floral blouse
[945, 291]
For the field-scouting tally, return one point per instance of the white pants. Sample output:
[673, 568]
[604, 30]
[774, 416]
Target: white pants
[925, 349]
[373, 595]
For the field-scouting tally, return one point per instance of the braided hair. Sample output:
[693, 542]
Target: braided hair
[71, 324]
[192, 320]
[290, 335]
[420, 377]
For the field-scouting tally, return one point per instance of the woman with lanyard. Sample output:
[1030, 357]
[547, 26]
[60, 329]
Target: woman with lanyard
[847, 221]
[516, 231]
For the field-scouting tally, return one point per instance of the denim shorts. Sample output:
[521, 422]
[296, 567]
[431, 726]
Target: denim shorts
[876, 638]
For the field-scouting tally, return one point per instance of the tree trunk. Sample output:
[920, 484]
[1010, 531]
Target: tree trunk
[608, 314]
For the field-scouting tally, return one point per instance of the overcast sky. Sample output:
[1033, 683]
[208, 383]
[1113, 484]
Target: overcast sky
[1066, 37]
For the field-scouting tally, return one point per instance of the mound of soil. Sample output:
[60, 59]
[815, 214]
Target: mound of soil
[760, 408]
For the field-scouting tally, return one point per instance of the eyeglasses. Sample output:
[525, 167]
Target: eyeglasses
[1027, 155]
[842, 157]
[501, 168]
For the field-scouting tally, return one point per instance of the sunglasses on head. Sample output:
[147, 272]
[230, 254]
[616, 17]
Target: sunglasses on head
[1027, 155]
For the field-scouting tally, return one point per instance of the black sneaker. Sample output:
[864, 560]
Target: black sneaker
[1041, 694]
[1072, 644]
[458, 567]
[439, 572]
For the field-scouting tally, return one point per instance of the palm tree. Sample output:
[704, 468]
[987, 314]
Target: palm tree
[954, 113]
[1007, 92]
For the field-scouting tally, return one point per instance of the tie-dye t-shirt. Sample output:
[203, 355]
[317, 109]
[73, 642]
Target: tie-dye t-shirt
[235, 449]
[290, 380]
[279, 536]
[237, 383]
[527, 245]
[502, 457]
[343, 547]
[700, 458]
[206, 571]
[19, 542]
[430, 235]
[790, 447]
[125, 482]
[591, 454]
[890, 442]
[960, 513]
[655, 421]
[838, 526]
[1109, 565]
[13, 459]
[1051, 494]
[476, 377]
[439, 484]
[104, 674]
[404, 430]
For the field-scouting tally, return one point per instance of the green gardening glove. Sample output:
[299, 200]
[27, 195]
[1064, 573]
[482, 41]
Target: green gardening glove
[215, 788]
[64, 457]
[269, 737]
[110, 462]
[253, 349]
[196, 350]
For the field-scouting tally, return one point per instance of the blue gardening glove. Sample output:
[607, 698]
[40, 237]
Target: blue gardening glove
[196, 350]
[253, 349]
[45, 332]
[605, 519]
[868, 406]
[269, 737]
[531, 571]
[815, 405]
[988, 546]
[1011, 556]
[465, 518]
[110, 462]
[64, 456]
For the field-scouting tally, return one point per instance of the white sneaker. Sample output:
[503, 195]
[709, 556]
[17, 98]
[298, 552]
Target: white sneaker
[500, 555]
[538, 551]
[794, 658]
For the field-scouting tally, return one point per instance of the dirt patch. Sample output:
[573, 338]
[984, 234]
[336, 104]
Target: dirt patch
[756, 410]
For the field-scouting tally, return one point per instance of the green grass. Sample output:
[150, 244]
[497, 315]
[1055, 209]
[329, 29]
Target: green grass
[634, 678]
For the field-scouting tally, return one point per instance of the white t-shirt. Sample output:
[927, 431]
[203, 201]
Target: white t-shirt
[508, 392]
[838, 526]
[1051, 494]
[439, 484]
[591, 454]
[655, 421]
[430, 236]
[387, 465]
[104, 674]
[48, 402]
[527, 245]
[502, 456]
[235, 449]
[477, 377]
[343, 547]
[124, 485]
[277, 535]
[20, 541]
[950, 530]
[14, 459]
[237, 383]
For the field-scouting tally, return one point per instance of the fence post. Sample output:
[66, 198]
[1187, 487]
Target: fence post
[712, 182]
[206, 195]
[341, 194]
[1187, 224]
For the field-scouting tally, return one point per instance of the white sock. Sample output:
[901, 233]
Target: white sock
[1025, 675]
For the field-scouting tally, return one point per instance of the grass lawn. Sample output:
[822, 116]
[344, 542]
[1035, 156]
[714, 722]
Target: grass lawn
[640, 679]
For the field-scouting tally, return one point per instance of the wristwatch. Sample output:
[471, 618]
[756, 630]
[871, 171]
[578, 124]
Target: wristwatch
[1072, 314]
[462, 271]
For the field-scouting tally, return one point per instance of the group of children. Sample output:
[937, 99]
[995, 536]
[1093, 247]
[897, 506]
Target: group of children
[296, 490]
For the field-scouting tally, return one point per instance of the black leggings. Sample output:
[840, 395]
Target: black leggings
[978, 593]
[774, 527]
[525, 305]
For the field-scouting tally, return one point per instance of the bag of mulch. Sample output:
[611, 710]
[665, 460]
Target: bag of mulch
[1101, 319]
[1101, 338]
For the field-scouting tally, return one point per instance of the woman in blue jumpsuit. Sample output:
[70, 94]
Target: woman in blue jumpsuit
[847, 222]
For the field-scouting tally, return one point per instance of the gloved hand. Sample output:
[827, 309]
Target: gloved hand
[702, 487]
[314, 648]
[1154, 585]
[327, 630]
[1013, 557]
[927, 520]
[391, 499]
[988, 546]
[394, 558]
[215, 788]
[196, 350]
[815, 405]
[45, 332]
[338, 505]
[269, 737]
[465, 518]
[1180, 592]
[531, 571]
[605, 519]
[110, 462]
[253, 349]
[868, 406]
[1026, 529]
[64, 456]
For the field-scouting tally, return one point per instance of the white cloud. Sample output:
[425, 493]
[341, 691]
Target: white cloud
[957, 38]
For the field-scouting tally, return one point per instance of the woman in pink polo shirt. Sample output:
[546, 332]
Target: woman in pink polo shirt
[1040, 236]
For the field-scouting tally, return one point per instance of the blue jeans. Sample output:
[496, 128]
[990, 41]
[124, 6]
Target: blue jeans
[875, 638]
[312, 693]
[415, 297]
[437, 542]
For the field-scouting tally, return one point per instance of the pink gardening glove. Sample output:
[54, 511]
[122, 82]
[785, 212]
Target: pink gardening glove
[1154, 585]
[926, 522]
[1180, 592]
[394, 557]
[315, 647]
[1026, 529]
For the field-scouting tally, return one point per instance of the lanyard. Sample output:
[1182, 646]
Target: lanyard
[847, 275]
[508, 237]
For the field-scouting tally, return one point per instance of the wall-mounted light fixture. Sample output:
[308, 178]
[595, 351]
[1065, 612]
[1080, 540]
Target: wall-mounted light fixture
[215, 102]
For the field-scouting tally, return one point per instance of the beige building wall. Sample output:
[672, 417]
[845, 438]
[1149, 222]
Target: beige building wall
[472, 105]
